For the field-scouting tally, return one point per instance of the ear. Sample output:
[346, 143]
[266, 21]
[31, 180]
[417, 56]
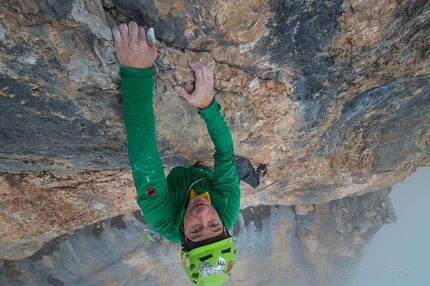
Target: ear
[183, 243]
[226, 231]
[184, 239]
[181, 228]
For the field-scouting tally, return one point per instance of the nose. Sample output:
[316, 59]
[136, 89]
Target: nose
[202, 214]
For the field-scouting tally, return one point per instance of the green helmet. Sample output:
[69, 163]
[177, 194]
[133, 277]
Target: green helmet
[210, 264]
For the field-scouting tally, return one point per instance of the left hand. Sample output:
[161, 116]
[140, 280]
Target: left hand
[132, 48]
[203, 94]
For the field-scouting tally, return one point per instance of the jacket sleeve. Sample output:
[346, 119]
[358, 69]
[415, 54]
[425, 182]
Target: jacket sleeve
[225, 179]
[153, 196]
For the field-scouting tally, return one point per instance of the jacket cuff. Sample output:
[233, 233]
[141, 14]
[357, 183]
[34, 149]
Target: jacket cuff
[128, 71]
[211, 111]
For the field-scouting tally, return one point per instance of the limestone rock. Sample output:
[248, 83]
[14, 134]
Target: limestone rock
[332, 95]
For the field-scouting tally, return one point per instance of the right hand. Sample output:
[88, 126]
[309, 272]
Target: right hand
[132, 48]
[203, 94]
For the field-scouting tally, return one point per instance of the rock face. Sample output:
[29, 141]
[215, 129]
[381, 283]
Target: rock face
[317, 246]
[332, 95]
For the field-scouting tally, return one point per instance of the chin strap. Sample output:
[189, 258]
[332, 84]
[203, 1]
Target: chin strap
[201, 179]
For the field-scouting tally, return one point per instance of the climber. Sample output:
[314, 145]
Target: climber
[193, 206]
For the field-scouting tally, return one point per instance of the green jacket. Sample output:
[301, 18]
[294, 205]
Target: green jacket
[164, 200]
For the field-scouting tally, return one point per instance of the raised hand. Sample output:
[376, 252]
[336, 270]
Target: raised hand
[132, 48]
[203, 93]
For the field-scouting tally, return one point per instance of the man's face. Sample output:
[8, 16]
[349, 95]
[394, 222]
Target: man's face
[201, 220]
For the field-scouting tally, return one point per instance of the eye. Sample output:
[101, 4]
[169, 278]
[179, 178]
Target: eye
[196, 230]
[214, 224]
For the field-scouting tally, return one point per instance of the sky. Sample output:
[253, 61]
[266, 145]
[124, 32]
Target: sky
[399, 254]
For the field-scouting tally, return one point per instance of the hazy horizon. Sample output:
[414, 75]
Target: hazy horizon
[399, 254]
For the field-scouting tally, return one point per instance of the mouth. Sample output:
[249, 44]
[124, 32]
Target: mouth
[198, 204]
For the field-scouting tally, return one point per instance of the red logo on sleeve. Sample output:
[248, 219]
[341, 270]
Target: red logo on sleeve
[150, 192]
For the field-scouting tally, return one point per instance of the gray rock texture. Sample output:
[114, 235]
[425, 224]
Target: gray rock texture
[333, 95]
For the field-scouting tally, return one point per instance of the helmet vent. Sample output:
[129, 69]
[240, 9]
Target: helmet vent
[227, 250]
[206, 257]
[195, 275]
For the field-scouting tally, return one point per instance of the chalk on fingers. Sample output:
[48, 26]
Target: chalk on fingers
[150, 36]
